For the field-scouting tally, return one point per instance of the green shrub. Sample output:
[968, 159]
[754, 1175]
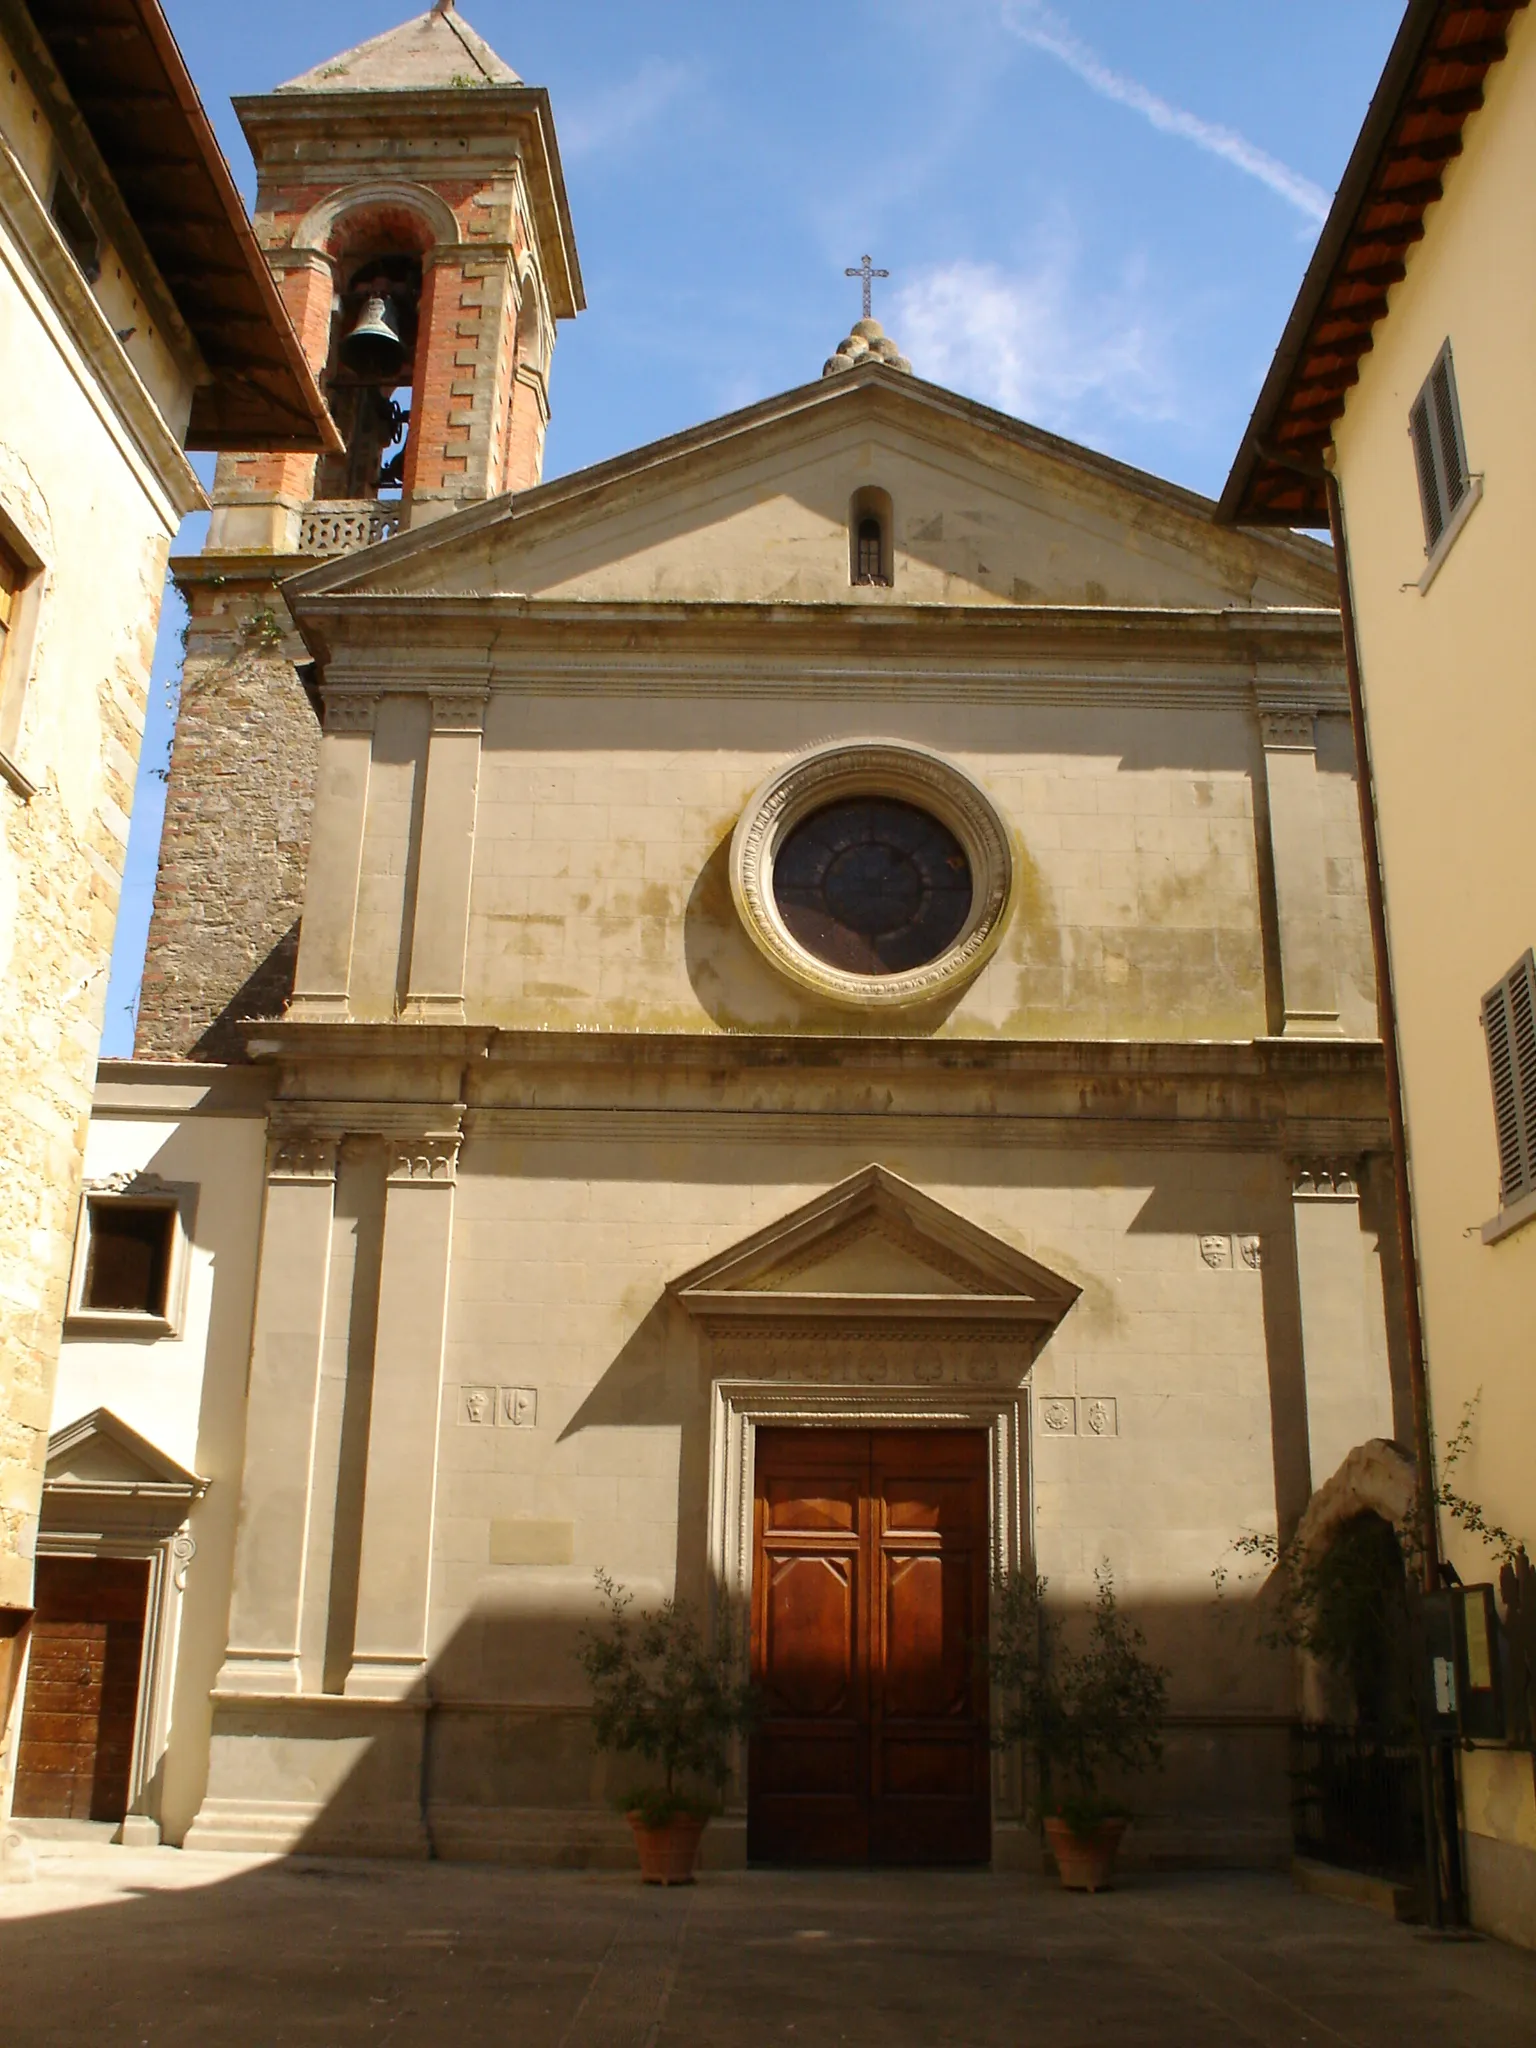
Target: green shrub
[663, 1691]
[1079, 1712]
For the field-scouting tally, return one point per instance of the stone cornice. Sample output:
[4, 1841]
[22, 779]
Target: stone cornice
[1320, 1098]
[420, 640]
[413, 642]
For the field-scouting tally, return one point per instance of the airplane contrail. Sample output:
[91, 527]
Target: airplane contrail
[1042, 30]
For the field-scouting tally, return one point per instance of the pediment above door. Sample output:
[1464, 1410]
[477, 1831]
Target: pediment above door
[875, 1250]
[101, 1474]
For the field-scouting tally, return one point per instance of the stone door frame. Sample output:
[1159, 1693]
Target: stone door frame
[167, 1558]
[740, 1407]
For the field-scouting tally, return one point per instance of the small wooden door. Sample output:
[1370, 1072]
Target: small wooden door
[869, 1622]
[75, 1752]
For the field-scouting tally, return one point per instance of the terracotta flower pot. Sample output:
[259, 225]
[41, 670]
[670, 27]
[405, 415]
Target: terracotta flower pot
[668, 1853]
[1084, 1861]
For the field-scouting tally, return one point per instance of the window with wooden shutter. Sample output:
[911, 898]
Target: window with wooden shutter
[1439, 450]
[12, 576]
[1509, 1020]
[15, 574]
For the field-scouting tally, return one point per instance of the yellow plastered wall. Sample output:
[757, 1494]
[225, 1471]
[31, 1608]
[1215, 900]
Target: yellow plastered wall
[1452, 717]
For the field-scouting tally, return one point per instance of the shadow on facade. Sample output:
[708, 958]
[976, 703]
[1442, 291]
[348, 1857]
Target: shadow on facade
[263, 993]
[317, 1946]
[496, 1763]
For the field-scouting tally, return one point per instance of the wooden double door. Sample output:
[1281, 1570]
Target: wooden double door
[869, 1623]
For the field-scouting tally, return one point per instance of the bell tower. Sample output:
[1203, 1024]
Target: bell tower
[411, 204]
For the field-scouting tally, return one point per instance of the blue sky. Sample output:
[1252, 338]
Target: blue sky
[1095, 213]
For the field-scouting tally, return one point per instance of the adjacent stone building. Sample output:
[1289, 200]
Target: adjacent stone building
[813, 1043]
[136, 319]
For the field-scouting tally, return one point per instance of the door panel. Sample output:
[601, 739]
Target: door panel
[809, 1758]
[930, 1753]
[869, 1626]
[928, 1632]
[810, 1650]
[75, 1751]
[812, 1502]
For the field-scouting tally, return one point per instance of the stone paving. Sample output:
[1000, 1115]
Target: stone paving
[158, 1947]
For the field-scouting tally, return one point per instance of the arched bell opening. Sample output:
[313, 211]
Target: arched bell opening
[370, 372]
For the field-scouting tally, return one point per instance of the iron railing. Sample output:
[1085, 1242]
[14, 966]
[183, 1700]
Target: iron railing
[1357, 1802]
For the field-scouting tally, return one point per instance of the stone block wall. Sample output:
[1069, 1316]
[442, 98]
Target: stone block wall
[59, 886]
[224, 933]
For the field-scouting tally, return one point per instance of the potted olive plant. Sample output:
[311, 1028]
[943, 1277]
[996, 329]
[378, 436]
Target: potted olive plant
[1080, 1711]
[661, 1690]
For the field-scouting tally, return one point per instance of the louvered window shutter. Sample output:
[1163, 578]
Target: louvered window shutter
[1429, 482]
[1439, 449]
[1509, 1020]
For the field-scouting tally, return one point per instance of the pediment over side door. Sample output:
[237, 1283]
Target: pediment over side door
[101, 1474]
[874, 1250]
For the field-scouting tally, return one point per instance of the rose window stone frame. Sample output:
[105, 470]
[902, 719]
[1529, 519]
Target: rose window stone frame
[898, 770]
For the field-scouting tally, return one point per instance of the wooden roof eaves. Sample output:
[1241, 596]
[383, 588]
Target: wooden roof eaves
[261, 393]
[1430, 81]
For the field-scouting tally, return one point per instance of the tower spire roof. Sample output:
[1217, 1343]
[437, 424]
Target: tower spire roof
[437, 49]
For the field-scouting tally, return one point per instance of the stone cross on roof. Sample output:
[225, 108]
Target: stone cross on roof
[867, 272]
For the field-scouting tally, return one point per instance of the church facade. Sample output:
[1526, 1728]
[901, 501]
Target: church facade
[810, 1041]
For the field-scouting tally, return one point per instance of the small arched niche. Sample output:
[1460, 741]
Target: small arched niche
[871, 537]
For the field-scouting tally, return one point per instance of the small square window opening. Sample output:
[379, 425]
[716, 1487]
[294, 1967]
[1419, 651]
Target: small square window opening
[128, 1264]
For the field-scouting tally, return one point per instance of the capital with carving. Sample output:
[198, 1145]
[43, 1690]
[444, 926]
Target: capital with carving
[1325, 1180]
[302, 1155]
[458, 710]
[1288, 730]
[350, 710]
[425, 1157]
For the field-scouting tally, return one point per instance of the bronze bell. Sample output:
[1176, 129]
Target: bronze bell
[374, 347]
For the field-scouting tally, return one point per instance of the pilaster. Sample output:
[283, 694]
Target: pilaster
[1343, 1335]
[440, 932]
[323, 973]
[282, 1408]
[389, 1653]
[1308, 982]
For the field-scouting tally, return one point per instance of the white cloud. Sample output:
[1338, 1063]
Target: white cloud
[1033, 344]
[1035, 24]
[619, 113]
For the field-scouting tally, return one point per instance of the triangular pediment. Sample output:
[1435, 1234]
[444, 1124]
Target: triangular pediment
[874, 1244]
[755, 508]
[100, 1452]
